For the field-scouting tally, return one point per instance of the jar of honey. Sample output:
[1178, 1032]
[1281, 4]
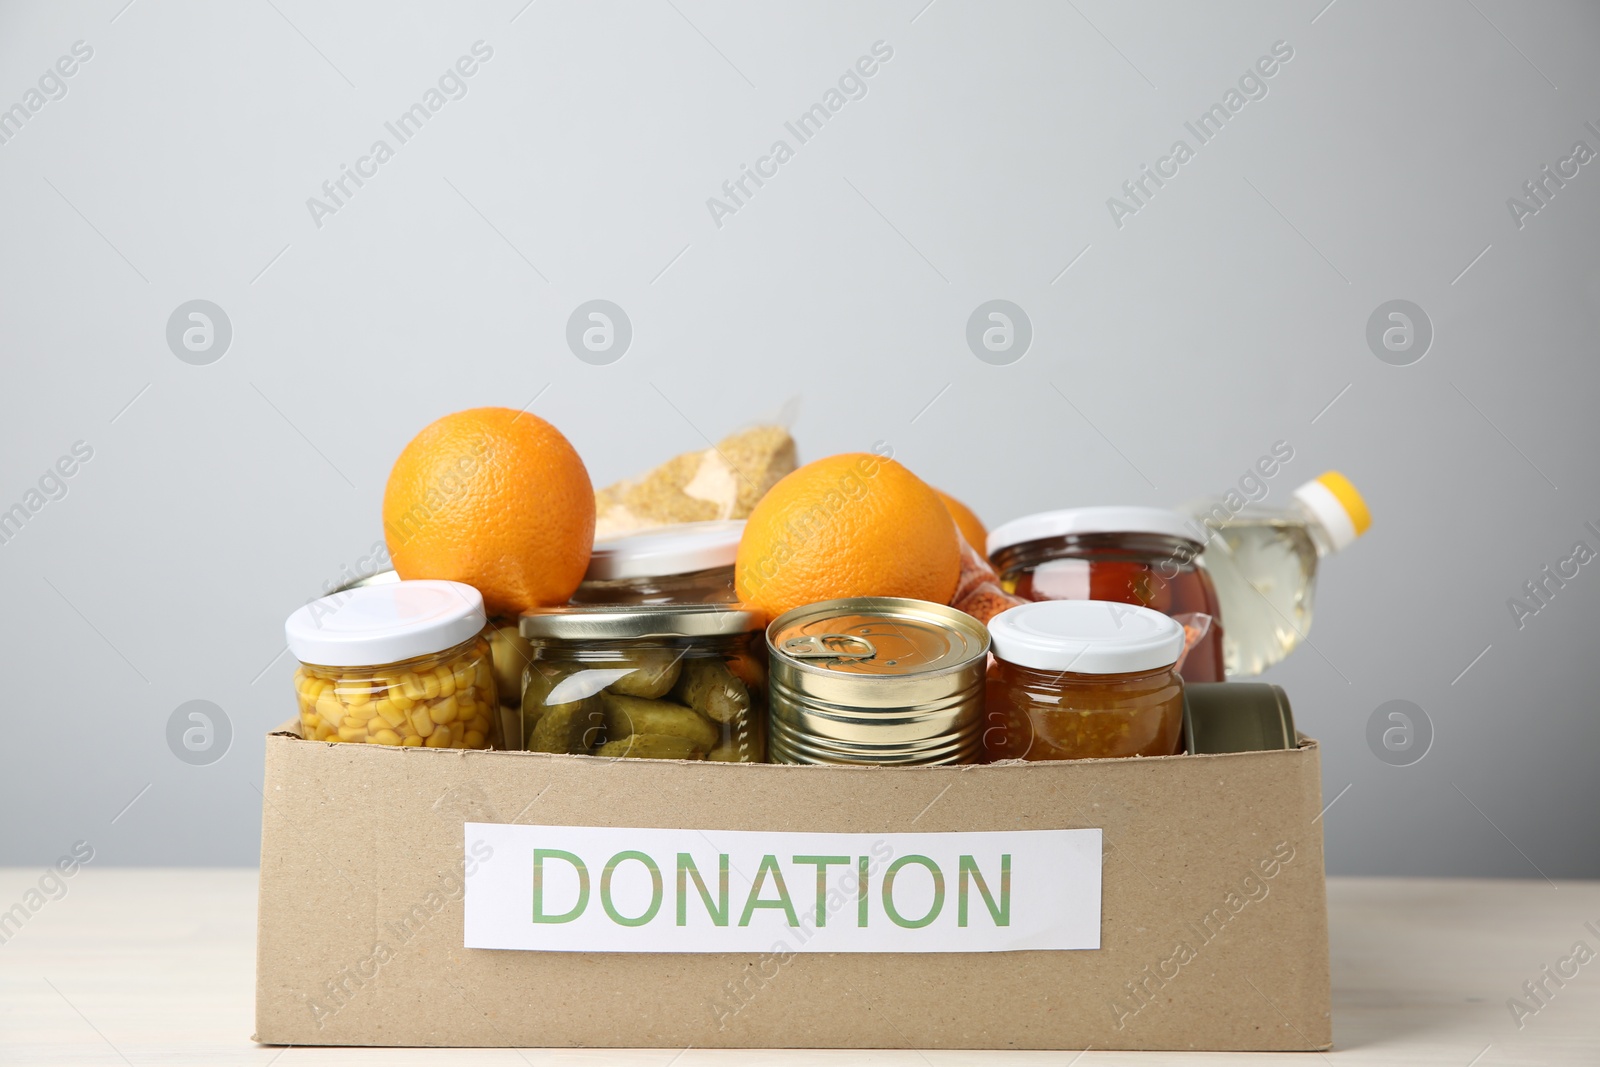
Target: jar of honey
[1131, 555]
[1083, 679]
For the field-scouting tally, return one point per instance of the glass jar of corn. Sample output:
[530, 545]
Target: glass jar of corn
[403, 664]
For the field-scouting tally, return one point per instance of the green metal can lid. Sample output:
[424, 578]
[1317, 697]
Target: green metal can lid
[1237, 717]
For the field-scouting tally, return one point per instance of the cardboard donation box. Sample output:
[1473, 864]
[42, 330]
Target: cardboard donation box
[445, 897]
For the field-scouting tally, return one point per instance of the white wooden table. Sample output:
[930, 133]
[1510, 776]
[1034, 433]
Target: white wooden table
[156, 967]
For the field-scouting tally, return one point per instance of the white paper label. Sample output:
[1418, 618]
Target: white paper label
[604, 889]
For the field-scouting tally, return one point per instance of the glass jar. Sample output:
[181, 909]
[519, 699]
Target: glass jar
[1131, 555]
[402, 663]
[678, 681]
[686, 563]
[1075, 679]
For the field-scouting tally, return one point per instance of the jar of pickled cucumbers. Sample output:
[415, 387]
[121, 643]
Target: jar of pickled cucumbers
[685, 563]
[663, 681]
[404, 663]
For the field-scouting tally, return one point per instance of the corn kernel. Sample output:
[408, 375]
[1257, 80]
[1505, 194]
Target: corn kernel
[439, 702]
[330, 709]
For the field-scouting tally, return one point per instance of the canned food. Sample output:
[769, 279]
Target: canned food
[876, 680]
[1237, 717]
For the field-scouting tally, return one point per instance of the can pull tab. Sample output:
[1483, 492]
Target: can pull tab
[830, 646]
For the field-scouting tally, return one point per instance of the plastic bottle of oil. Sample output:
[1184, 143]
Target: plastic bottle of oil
[1263, 562]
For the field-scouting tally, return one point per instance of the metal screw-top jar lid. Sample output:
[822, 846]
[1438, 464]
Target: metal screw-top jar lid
[876, 680]
[1086, 637]
[680, 548]
[386, 623]
[614, 622]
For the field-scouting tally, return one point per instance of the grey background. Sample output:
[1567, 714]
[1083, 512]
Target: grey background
[1229, 313]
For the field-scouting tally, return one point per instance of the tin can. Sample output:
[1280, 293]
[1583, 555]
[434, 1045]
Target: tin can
[1237, 717]
[876, 680]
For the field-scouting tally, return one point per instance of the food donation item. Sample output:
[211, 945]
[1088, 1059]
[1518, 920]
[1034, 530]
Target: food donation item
[496, 498]
[1237, 717]
[689, 563]
[723, 482]
[1264, 564]
[876, 680]
[667, 681]
[1082, 679]
[401, 663]
[1131, 555]
[856, 524]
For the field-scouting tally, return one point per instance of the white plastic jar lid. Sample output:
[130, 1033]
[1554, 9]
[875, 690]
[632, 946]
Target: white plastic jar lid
[1086, 637]
[1099, 520]
[678, 549]
[378, 624]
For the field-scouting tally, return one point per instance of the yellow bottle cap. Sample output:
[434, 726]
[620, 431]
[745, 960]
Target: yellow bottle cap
[1336, 502]
[1349, 498]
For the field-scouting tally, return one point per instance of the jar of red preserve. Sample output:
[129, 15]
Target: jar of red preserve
[1131, 555]
[1075, 679]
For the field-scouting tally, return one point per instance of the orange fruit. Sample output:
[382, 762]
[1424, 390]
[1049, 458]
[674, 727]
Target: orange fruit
[495, 498]
[971, 526]
[855, 524]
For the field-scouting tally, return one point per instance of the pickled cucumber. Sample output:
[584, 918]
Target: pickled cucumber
[511, 653]
[540, 680]
[707, 686]
[655, 671]
[571, 727]
[652, 746]
[627, 715]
